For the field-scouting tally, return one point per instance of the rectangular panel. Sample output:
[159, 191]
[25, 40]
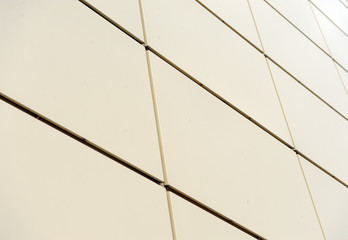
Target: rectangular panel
[237, 14]
[301, 15]
[205, 48]
[299, 56]
[53, 187]
[318, 132]
[337, 41]
[83, 73]
[192, 222]
[330, 198]
[220, 158]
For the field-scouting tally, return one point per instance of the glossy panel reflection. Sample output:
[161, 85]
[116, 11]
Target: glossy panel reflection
[299, 56]
[53, 187]
[335, 10]
[337, 41]
[84, 74]
[220, 158]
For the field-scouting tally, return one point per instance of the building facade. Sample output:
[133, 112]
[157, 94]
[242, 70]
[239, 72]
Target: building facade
[186, 119]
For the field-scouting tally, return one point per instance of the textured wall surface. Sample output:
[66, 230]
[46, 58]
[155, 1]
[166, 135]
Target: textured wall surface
[174, 119]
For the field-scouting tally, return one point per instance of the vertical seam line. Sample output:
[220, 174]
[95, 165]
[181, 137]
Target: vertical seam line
[289, 130]
[158, 127]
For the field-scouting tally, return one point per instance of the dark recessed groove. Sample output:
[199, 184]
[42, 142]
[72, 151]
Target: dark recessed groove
[213, 212]
[90, 6]
[126, 164]
[303, 85]
[78, 138]
[321, 168]
[230, 27]
[219, 97]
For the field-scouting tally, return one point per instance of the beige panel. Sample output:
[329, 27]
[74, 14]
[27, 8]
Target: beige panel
[337, 41]
[193, 223]
[335, 10]
[237, 14]
[53, 187]
[83, 73]
[300, 14]
[330, 198]
[216, 56]
[124, 12]
[318, 132]
[220, 158]
[296, 54]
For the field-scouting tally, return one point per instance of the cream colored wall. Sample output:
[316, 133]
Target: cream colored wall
[174, 119]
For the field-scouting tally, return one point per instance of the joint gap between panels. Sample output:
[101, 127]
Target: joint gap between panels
[153, 96]
[328, 18]
[320, 168]
[230, 27]
[104, 16]
[157, 121]
[321, 31]
[303, 85]
[256, 27]
[310, 196]
[213, 212]
[78, 138]
[273, 80]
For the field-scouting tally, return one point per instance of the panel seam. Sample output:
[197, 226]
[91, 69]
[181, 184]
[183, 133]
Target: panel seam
[157, 122]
